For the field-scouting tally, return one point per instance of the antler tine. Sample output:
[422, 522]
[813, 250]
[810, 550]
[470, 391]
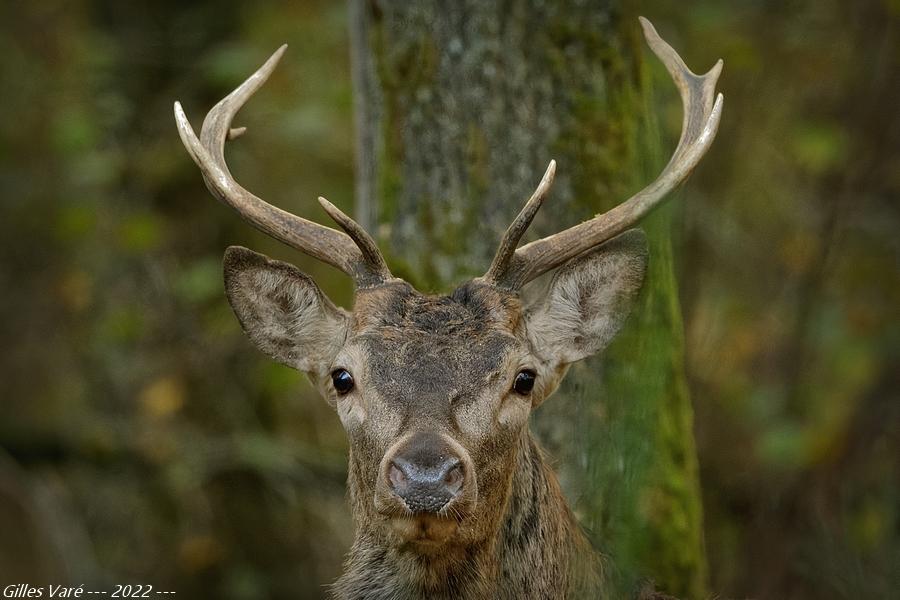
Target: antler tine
[365, 265]
[371, 254]
[520, 224]
[702, 113]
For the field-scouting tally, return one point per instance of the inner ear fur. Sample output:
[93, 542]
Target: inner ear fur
[588, 300]
[283, 311]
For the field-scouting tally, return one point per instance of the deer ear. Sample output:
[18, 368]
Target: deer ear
[283, 311]
[588, 300]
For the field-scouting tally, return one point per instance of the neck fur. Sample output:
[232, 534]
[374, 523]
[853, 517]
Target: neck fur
[538, 550]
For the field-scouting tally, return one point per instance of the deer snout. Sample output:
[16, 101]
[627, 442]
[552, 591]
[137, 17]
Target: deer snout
[427, 473]
[426, 487]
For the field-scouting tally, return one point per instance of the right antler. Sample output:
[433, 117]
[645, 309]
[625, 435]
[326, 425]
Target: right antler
[354, 253]
[512, 268]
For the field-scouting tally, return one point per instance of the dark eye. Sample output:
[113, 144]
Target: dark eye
[524, 382]
[342, 380]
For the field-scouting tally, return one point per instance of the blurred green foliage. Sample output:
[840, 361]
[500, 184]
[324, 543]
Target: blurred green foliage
[143, 439]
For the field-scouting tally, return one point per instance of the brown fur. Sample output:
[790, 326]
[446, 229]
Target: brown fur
[443, 367]
[535, 550]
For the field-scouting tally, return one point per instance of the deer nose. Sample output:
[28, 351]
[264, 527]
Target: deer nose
[427, 482]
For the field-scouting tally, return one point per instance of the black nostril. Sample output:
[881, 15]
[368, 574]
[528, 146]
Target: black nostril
[426, 487]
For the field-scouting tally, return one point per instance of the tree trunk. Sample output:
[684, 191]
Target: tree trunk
[460, 106]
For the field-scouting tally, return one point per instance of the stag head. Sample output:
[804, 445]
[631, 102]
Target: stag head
[435, 392]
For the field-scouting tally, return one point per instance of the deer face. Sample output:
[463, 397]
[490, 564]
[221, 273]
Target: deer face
[434, 392]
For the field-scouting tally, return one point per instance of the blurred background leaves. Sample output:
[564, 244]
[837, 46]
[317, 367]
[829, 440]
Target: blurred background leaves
[143, 439]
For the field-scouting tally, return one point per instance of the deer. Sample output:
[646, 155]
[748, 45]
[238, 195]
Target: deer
[451, 494]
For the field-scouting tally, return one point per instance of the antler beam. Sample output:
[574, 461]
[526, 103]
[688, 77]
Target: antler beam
[702, 112]
[355, 254]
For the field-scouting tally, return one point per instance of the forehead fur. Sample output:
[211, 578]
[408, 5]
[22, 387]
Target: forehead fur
[434, 350]
[472, 309]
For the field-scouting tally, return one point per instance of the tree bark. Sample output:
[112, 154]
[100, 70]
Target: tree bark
[460, 106]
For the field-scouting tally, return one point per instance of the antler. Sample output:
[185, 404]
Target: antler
[354, 253]
[701, 121]
[517, 228]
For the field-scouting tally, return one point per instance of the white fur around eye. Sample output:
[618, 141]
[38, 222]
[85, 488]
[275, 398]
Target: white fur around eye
[352, 406]
[514, 410]
[350, 410]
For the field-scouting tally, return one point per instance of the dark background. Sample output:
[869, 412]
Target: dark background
[143, 439]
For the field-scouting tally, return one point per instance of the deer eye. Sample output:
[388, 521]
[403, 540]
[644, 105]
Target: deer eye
[524, 382]
[342, 380]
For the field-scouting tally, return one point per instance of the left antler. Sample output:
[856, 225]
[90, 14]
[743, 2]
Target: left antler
[355, 252]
